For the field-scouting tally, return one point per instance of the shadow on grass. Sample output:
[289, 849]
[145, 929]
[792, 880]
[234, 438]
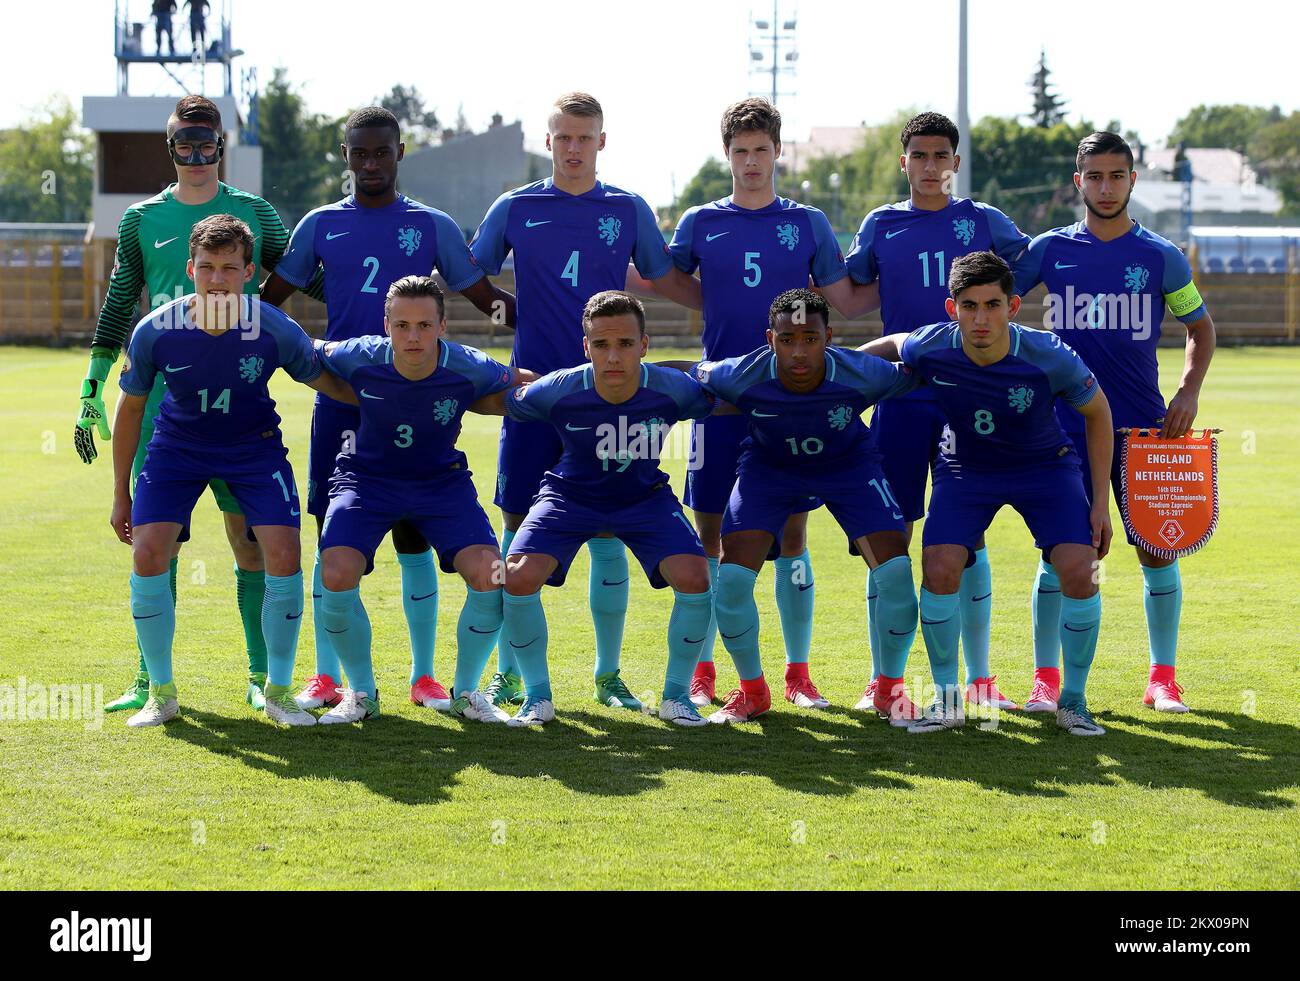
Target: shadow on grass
[1230, 758]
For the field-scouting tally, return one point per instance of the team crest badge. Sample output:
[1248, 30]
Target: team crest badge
[608, 228]
[1021, 398]
[408, 240]
[444, 410]
[964, 229]
[1135, 278]
[250, 368]
[787, 235]
[839, 417]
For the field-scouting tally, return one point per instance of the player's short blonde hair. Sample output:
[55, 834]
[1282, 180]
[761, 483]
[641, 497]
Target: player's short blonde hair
[416, 286]
[577, 104]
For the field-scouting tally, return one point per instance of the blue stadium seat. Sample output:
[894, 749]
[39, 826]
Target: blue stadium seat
[1257, 264]
[1236, 264]
[1277, 264]
[1214, 264]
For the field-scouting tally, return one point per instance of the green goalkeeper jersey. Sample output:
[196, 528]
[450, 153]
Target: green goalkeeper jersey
[153, 247]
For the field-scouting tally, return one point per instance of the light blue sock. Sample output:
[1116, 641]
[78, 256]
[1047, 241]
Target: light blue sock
[154, 613]
[281, 618]
[873, 622]
[349, 626]
[505, 654]
[327, 659]
[1046, 605]
[1080, 624]
[476, 632]
[525, 621]
[420, 603]
[896, 607]
[941, 627]
[738, 618]
[976, 594]
[1164, 606]
[711, 631]
[794, 604]
[607, 596]
[687, 624]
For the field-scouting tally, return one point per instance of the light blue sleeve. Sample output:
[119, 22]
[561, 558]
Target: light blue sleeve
[139, 370]
[828, 263]
[297, 353]
[693, 400]
[533, 402]
[455, 261]
[650, 255]
[682, 247]
[1009, 242]
[861, 260]
[299, 263]
[487, 375]
[919, 341]
[489, 246]
[874, 377]
[1065, 370]
[1028, 268]
[343, 358]
[1178, 287]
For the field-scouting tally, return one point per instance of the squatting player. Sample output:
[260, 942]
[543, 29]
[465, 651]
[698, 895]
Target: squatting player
[572, 237]
[152, 252]
[750, 247]
[365, 243]
[1108, 283]
[612, 416]
[807, 444]
[997, 383]
[906, 248]
[218, 350]
[414, 387]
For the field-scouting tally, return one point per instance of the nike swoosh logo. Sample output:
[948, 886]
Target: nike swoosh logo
[899, 633]
[687, 640]
[710, 238]
[294, 617]
[939, 382]
[1068, 265]
[1073, 631]
[367, 395]
[763, 415]
[159, 245]
[294, 512]
[316, 596]
[149, 617]
[329, 631]
[1167, 592]
[606, 582]
[416, 599]
[533, 224]
[575, 429]
[331, 236]
[734, 636]
[931, 623]
[804, 588]
[475, 630]
[979, 599]
[1043, 592]
[170, 370]
[893, 233]
[520, 647]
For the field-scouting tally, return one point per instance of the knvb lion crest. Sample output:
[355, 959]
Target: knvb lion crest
[964, 229]
[653, 425]
[608, 228]
[250, 368]
[839, 417]
[787, 235]
[408, 240]
[444, 410]
[1020, 398]
[1135, 278]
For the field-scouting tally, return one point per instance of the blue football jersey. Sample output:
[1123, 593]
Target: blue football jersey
[1108, 299]
[365, 250]
[409, 428]
[611, 452]
[817, 429]
[216, 386]
[567, 248]
[1000, 415]
[746, 259]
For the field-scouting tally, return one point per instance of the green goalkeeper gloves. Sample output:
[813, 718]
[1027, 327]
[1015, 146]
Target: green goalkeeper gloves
[93, 415]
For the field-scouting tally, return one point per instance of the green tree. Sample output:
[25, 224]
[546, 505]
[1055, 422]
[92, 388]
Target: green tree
[711, 181]
[1029, 167]
[1231, 126]
[1049, 108]
[869, 175]
[301, 166]
[1275, 153]
[419, 123]
[47, 166]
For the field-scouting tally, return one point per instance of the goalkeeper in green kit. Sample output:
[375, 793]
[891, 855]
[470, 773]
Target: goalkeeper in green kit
[152, 249]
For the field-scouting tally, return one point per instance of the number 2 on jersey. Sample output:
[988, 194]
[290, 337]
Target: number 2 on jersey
[372, 264]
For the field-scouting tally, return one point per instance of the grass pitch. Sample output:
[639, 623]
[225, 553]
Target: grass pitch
[606, 798]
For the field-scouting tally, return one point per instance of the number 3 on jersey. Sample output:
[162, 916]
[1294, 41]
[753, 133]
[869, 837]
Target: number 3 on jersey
[571, 269]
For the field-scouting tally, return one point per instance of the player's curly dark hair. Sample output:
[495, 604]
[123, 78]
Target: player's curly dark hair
[980, 269]
[373, 117]
[930, 124]
[1102, 143]
[750, 116]
[612, 303]
[799, 304]
[412, 286]
[216, 233]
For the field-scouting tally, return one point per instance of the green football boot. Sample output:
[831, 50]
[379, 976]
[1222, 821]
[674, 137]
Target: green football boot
[611, 691]
[256, 695]
[136, 694]
[505, 689]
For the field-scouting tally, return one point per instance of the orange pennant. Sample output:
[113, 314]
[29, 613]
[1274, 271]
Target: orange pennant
[1169, 494]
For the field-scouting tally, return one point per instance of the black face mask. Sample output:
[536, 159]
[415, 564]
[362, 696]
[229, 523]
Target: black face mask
[196, 136]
